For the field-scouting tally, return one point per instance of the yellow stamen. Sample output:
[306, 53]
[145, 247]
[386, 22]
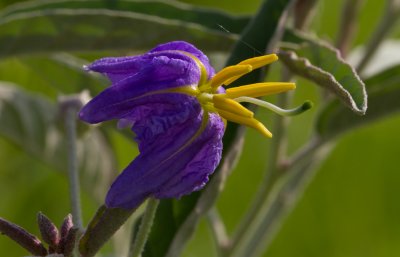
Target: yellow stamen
[256, 62]
[188, 90]
[229, 72]
[209, 107]
[232, 106]
[251, 122]
[259, 89]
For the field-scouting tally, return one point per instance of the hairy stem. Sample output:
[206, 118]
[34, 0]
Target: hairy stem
[145, 227]
[73, 176]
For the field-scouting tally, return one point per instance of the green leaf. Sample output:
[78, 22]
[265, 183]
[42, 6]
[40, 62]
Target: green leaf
[62, 29]
[169, 235]
[32, 123]
[383, 100]
[322, 64]
[208, 18]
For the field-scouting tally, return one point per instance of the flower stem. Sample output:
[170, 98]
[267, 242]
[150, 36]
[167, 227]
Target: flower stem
[145, 227]
[73, 176]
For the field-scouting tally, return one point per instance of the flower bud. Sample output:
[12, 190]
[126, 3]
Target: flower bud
[48, 231]
[65, 231]
[69, 243]
[66, 226]
[22, 237]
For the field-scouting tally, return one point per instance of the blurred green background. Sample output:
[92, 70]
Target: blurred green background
[351, 207]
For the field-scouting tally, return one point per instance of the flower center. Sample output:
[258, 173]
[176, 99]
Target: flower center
[227, 104]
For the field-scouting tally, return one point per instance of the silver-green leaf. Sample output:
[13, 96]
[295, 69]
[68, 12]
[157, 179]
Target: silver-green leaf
[384, 95]
[323, 64]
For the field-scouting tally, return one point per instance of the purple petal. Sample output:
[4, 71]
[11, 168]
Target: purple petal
[178, 165]
[118, 68]
[157, 114]
[137, 180]
[205, 155]
[189, 48]
[118, 100]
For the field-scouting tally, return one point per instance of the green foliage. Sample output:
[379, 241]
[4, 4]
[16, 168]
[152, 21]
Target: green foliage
[170, 10]
[35, 125]
[51, 75]
[84, 27]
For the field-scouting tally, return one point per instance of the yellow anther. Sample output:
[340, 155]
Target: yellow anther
[232, 106]
[229, 72]
[251, 122]
[259, 89]
[256, 62]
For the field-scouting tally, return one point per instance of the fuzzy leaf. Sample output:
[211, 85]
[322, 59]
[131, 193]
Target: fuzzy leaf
[322, 64]
[62, 29]
[31, 122]
[383, 94]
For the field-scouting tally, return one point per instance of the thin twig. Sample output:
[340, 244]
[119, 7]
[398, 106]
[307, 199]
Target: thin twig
[281, 201]
[348, 25]
[304, 11]
[303, 153]
[389, 19]
[218, 230]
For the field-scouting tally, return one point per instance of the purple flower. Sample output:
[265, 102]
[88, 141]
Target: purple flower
[176, 106]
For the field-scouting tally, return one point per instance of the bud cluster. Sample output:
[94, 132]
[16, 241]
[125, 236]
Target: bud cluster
[60, 243]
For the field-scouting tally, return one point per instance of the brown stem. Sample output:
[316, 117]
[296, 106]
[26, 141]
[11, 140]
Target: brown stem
[348, 25]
